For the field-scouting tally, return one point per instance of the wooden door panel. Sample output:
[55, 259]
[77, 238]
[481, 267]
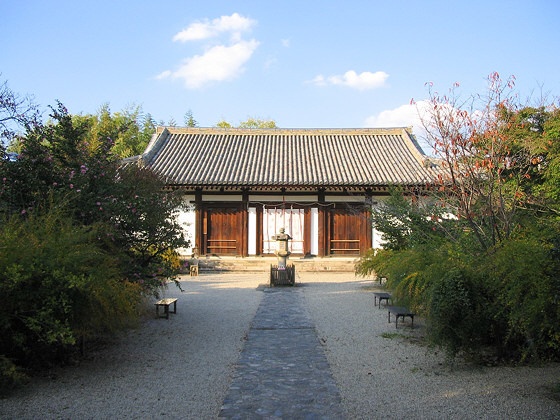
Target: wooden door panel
[223, 227]
[346, 232]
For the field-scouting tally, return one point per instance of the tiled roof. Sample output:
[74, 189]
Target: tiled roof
[280, 157]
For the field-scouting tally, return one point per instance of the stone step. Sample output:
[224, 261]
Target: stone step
[262, 264]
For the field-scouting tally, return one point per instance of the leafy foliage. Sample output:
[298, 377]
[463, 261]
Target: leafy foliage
[250, 123]
[59, 281]
[84, 238]
[130, 130]
[487, 278]
[16, 113]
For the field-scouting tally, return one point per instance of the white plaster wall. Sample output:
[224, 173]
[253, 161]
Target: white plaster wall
[252, 231]
[280, 198]
[187, 219]
[314, 249]
[345, 198]
[217, 197]
[376, 241]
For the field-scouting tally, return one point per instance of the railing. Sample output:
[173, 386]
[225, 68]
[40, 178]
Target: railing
[346, 241]
[210, 246]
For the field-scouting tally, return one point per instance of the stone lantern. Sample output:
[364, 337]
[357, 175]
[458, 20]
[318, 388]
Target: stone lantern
[282, 251]
[282, 274]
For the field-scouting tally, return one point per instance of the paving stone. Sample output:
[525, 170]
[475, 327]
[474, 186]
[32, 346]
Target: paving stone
[282, 371]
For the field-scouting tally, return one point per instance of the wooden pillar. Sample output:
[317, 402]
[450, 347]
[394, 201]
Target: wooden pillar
[259, 229]
[307, 231]
[322, 222]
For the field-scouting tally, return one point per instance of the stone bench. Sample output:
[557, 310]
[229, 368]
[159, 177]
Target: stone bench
[400, 311]
[381, 296]
[166, 303]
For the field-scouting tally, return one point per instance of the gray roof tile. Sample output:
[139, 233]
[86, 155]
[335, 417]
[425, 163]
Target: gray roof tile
[280, 157]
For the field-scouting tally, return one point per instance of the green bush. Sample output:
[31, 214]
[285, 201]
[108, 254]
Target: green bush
[506, 301]
[11, 376]
[58, 283]
[459, 313]
[524, 283]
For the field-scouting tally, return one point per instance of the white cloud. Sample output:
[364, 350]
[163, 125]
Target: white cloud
[234, 24]
[163, 75]
[362, 81]
[413, 114]
[286, 43]
[403, 116]
[319, 80]
[220, 63]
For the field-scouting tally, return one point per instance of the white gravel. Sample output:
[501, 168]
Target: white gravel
[182, 367]
[396, 377]
[179, 368]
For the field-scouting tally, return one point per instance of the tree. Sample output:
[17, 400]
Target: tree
[494, 285]
[58, 163]
[223, 124]
[189, 119]
[84, 239]
[257, 123]
[16, 114]
[250, 123]
[130, 129]
[484, 170]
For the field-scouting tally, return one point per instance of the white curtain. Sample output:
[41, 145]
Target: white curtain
[291, 220]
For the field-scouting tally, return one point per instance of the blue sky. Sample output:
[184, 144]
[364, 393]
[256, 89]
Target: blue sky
[305, 64]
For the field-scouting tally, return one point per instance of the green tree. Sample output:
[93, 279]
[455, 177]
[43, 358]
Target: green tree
[57, 162]
[189, 119]
[478, 256]
[84, 238]
[16, 114]
[249, 123]
[130, 129]
[257, 123]
[223, 124]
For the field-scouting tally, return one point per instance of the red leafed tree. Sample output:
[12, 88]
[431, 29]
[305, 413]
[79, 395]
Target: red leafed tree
[484, 169]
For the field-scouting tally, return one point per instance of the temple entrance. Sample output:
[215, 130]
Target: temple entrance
[292, 220]
[222, 231]
[347, 227]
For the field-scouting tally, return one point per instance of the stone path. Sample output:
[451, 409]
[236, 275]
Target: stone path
[282, 371]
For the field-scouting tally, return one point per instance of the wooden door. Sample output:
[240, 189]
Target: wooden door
[347, 231]
[223, 231]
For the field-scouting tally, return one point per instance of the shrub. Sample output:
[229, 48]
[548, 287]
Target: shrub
[459, 313]
[506, 301]
[11, 376]
[58, 283]
[524, 283]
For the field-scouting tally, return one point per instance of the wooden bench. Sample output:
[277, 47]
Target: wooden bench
[166, 303]
[381, 296]
[399, 311]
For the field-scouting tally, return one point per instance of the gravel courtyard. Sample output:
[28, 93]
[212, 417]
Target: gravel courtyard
[182, 367]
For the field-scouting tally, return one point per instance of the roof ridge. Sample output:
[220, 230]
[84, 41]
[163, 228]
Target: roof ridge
[280, 131]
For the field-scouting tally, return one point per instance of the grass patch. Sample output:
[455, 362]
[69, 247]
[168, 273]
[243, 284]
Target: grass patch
[391, 336]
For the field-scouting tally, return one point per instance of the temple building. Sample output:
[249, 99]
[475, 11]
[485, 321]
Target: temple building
[243, 185]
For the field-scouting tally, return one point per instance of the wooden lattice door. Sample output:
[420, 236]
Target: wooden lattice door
[347, 231]
[223, 231]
